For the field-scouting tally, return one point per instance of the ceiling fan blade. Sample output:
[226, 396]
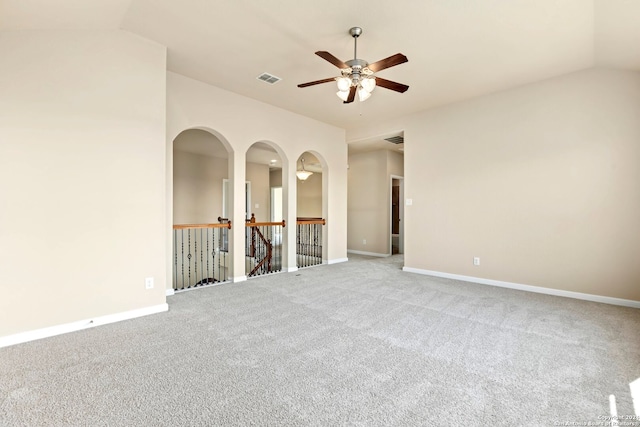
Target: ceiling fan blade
[388, 84]
[317, 82]
[352, 95]
[391, 61]
[329, 57]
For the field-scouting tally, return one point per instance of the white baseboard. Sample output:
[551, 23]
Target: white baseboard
[368, 253]
[529, 288]
[51, 331]
[335, 261]
[239, 279]
[170, 292]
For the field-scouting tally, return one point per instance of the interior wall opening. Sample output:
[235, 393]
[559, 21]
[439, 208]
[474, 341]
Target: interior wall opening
[310, 223]
[265, 215]
[372, 229]
[200, 231]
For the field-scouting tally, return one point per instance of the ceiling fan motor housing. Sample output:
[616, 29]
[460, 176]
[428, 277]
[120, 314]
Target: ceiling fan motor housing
[358, 67]
[361, 63]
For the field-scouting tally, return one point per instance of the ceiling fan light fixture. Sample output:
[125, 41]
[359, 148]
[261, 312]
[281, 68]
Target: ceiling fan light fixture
[358, 75]
[368, 84]
[363, 94]
[344, 83]
[343, 94]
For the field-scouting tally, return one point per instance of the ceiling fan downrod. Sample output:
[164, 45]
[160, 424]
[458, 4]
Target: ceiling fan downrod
[356, 65]
[355, 33]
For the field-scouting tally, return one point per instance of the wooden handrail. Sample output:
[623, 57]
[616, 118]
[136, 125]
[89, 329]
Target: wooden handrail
[252, 222]
[261, 224]
[183, 226]
[302, 221]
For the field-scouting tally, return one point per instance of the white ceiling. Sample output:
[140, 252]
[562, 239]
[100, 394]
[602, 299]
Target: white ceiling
[457, 49]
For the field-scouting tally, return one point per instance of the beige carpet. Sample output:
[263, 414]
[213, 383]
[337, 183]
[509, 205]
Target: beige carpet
[354, 344]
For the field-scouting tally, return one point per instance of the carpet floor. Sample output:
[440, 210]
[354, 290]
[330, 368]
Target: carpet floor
[354, 344]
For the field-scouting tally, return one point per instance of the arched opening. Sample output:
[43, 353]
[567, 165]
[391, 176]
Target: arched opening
[311, 210]
[265, 209]
[201, 253]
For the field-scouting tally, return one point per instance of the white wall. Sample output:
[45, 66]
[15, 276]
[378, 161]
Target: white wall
[540, 182]
[82, 170]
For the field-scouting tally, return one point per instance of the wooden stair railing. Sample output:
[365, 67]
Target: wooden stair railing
[255, 231]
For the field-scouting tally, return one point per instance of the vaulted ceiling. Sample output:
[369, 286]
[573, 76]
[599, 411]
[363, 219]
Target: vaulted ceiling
[457, 49]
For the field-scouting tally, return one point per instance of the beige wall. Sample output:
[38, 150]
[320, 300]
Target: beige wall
[82, 170]
[309, 194]
[197, 184]
[275, 178]
[240, 122]
[258, 175]
[197, 188]
[368, 207]
[369, 184]
[87, 124]
[395, 163]
[540, 182]
[309, 203]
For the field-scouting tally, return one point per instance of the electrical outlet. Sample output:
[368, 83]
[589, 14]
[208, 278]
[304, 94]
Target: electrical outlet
[364, 241]
[148, 283]
[476, 261]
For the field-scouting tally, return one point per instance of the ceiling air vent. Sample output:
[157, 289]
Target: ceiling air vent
[269, 78]
[395, 139]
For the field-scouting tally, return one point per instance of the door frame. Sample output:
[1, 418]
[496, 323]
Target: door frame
[272, 216]
[247, 198]
[400, 214]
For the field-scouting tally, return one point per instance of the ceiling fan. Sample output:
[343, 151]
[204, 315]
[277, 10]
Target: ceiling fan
[357, 75]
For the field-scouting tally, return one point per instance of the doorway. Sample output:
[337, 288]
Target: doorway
[397, 215]
[276, 204]
[226, 204]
